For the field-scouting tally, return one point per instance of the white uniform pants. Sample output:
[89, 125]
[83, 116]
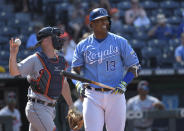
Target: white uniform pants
[40, 117]
[100, 107]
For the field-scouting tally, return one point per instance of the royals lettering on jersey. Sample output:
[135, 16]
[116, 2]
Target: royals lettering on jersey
[49, 82]
[92, 57]
[104, 59]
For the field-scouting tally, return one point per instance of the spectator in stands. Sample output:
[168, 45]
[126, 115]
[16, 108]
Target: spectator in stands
[76, 22]
[31, 42]
[181, 26]
[179, 53]
[161, 30]
[68, 47]
[105, 4]
[136, 15]
[116, 24]
[11, 110]
[143, 102]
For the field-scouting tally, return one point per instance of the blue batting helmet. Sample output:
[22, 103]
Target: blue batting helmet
[97, 14]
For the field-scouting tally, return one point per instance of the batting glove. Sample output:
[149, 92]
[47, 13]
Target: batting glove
[121, 89]
[81, 89]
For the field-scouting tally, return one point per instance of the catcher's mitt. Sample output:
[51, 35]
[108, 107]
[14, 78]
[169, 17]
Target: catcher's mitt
[75, 119]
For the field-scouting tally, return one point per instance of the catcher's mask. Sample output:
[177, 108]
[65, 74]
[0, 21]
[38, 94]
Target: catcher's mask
[54, 32]
[99, 13]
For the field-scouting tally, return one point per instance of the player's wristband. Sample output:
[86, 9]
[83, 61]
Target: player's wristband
[128, 77]
[77, 83]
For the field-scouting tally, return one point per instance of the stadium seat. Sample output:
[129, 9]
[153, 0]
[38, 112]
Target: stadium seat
[4, 55]
[17, 24]
[8, 31]
[27, 30]
[140, 35]
[128, 29]
[169, 50]
[3, 40]
[182, 4]
[174, 42]
[5, 16]
[124, 5]
[155, 43]
[150, 56]
[174, 20]
[149, 5]
[169, 5]
[137, 44]
[165, 61]
[178, 12]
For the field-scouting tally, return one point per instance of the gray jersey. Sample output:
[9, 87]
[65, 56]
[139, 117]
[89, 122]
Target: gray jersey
[135, 104]
[30, 68]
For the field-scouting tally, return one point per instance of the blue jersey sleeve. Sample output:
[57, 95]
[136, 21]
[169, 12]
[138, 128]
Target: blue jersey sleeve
[128, 54]
[77, 57]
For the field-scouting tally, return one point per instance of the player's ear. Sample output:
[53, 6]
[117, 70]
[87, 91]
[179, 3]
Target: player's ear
[91, 25]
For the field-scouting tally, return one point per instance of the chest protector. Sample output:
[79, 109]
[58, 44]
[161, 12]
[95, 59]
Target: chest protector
[49, 81]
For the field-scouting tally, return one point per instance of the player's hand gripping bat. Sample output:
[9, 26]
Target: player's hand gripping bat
[82, 79]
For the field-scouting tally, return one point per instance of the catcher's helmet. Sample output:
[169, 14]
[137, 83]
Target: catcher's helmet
[97, 14]
[51, 31]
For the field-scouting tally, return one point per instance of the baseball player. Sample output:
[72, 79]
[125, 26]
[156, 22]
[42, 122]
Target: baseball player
[104, 57]
[42, 70]
[11, 110]
[143, 102]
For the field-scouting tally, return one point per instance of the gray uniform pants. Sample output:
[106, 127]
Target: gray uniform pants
[40, 117]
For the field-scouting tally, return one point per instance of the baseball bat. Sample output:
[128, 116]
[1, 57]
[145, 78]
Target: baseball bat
[80, 78]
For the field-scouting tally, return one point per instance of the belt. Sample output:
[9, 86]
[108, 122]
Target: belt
[41, 102]
[98, 89]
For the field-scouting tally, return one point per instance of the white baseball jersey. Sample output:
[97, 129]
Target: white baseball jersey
[136, 104]
[17, 122]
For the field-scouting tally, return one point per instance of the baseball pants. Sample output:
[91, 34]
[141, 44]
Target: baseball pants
[100, 107]
[40, 117]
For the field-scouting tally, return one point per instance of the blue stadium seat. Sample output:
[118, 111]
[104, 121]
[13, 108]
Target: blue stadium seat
[182, 4]
[128, 29]
[174, 42]
[149, 5]
[23, 16]
[4, 55]
[137, 44]
[169, 50]
[124, 5]
[27, 30]
[178, 12]
[5, 16]
[153, 19]
[174, 20]
[9, 32]
[3, 40]
[165, 61]
[17, 24]
[169, 4]
[155, 43]
[150, 56]
[140, 35]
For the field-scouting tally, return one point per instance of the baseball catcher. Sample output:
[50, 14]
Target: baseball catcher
[75, 119]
